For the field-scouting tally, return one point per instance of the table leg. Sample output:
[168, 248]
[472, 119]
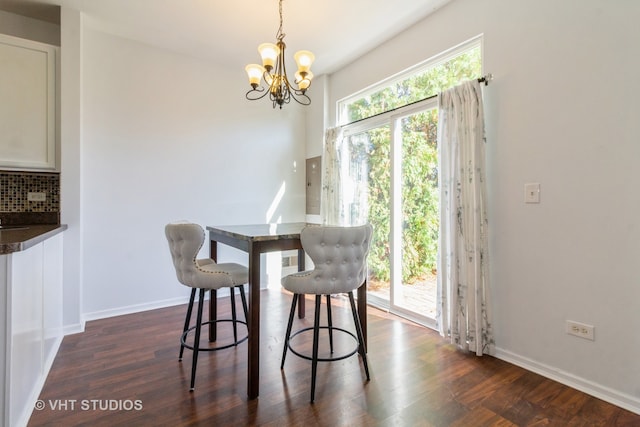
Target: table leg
[213, 296]
[253, 323]
[301, 299]
[362, 309]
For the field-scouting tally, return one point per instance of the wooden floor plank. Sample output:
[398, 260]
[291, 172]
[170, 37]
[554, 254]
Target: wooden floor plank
[416, 380]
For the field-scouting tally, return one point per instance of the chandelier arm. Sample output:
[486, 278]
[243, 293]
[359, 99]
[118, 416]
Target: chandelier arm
[293, 92]
[258, 93]
[305, 100]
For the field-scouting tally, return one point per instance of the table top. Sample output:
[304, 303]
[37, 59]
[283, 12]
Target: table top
[260, 232]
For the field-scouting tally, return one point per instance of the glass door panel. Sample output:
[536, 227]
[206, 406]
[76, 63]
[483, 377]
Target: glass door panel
[417, 224]
[391, 180]
[367, 187]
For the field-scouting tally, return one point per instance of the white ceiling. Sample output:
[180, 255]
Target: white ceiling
[336, 31]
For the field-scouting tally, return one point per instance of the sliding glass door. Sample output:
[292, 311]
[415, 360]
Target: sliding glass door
[392, 178]
[416, 215]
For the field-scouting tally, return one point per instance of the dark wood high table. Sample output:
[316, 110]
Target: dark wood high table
[257, 239]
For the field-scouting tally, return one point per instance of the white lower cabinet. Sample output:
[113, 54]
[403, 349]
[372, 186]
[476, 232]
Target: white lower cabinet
[33, 324]
[25, 331]
[52, 330]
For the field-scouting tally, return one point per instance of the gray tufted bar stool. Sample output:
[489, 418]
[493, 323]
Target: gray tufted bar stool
[185, 241]
[339, 256]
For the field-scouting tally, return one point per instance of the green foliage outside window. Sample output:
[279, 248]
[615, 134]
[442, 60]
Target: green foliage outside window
[420, 197]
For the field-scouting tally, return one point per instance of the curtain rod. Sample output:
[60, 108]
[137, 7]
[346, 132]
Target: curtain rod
[484, 79]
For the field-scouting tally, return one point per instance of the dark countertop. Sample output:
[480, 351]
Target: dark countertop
[15, 240]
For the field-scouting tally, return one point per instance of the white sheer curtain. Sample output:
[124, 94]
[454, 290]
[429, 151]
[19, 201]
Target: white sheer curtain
[463, 311]
[331, 212]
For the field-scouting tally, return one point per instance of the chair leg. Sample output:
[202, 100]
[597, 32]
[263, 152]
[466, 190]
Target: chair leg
[314, 360]
[330, 323]
[243, 297]
[356, 320]
[289, 324]
[232, 294]
[196, 343]
[213, 315]
[187, 320]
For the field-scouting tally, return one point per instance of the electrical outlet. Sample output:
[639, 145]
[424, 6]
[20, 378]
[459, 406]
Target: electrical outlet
[36, 197]
[581, 330]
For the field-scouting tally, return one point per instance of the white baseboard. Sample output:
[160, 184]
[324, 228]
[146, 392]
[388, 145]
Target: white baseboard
[137, 308]
[617, 398]
[76, 328]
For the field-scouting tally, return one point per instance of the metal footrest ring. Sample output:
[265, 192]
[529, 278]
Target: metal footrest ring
[183, 338]
[323, 359]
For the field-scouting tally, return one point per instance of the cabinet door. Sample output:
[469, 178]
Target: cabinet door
[51, 299]
[25, 364]
[27, 104]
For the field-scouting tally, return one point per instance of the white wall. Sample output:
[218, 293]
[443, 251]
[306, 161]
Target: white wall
[562, 111]
[70, 166]
[169, 137]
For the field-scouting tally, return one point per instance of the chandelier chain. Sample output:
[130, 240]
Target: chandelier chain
[280, 35]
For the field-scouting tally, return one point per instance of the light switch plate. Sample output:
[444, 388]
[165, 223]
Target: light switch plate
[532, 192]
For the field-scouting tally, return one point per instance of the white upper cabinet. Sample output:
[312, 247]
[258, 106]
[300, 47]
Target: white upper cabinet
[27, 105]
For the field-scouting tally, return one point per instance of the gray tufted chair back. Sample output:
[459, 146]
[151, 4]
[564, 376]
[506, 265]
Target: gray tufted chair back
[185, 241]
[339, 256]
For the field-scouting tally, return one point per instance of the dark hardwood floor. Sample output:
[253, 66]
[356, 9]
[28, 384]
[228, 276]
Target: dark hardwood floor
[124, 371]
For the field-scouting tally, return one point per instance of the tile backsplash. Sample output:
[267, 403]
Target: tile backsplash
[15, 187]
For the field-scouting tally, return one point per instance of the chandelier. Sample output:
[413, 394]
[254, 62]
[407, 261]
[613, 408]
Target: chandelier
[274, 73]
